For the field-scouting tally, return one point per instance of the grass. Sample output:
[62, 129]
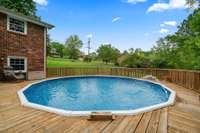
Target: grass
[59, 62]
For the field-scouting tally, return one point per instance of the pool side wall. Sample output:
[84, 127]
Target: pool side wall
[26, 103]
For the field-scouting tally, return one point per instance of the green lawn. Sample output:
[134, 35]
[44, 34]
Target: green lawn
[59, 62]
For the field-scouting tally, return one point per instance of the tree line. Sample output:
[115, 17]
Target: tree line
[180, 50]
[71, 50]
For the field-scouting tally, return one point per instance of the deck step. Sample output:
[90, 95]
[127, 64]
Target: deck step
[101, 116]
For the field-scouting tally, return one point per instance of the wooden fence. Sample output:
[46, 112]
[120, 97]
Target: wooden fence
[185, 78]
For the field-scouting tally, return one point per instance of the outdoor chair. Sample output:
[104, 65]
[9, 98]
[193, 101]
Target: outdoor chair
[9, 74]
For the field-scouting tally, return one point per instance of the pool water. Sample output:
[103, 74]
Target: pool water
[94, 93]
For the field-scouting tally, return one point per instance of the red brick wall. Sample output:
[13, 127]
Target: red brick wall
[30, 45]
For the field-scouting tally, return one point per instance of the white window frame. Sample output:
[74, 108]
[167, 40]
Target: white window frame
[8, 25]
[18, 57]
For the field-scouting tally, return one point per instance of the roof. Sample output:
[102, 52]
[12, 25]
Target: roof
[24, 17]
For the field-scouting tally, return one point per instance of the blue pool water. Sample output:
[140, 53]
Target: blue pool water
[96, 93]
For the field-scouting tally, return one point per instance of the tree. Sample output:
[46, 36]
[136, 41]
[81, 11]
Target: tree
[163, 53]
[191, 3]
[136, 58]
[58, 47]
[73, 46]
[48, 48]
[108, 53]
[181, 50]
[26, 7]
[187, 39]
[92, 56]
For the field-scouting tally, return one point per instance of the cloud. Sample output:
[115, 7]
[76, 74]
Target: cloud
[106, 43]
[116, 19]
[158, 7]
[135, 1]
[164, 31]
[168, 23]
[162, 25]
[41, 2]
[173, 4]
[89, 36]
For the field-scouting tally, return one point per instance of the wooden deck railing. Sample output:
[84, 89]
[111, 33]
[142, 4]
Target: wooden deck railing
[185, 78]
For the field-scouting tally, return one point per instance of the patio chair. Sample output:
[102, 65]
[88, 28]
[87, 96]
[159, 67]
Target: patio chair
[9, 74]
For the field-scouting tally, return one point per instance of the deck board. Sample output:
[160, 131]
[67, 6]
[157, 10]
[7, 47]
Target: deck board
[183, 117]
[131, 127]
[144, 123]
[153, 123]
[111, 127]
[162, 127]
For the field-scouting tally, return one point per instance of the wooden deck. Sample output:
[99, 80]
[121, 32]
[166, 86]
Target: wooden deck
[183, 117]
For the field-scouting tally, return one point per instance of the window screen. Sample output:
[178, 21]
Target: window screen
[17, 64]
[16, 25]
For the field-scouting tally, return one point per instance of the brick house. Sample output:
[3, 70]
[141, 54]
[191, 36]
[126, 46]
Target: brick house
[23, 44]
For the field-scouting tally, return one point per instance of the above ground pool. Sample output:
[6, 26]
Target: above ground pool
[81, 95]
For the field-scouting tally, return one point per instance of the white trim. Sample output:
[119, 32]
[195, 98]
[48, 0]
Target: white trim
[8, 25]
[18, 57]
[26, 103]
[45, 48]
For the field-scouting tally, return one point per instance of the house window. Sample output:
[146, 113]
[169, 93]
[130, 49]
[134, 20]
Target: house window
[16, 25]
[17, 63]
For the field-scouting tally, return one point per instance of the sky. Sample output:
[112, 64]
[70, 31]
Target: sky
[123, 23]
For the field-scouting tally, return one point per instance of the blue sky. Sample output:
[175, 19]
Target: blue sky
[123, 23]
